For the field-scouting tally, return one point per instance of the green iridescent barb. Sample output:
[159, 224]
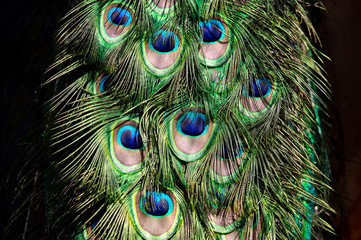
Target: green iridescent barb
[185, 119]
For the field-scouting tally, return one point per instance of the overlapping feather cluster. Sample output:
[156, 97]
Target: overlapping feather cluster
[186, 119]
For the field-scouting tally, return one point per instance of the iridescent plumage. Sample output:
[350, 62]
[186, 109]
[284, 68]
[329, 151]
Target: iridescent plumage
[186, 119]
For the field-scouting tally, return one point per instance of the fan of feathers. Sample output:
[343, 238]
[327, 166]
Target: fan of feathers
[186, 119]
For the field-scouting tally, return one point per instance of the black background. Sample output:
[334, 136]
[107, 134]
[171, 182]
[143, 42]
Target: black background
[26, 50]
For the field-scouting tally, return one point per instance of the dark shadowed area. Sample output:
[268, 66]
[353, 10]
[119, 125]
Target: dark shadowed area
[339, 30]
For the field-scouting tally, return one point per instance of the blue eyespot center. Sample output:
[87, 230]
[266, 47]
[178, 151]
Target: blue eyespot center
[156, 204]
[119, 16]
[164, 42]
[128, 136]
[212, 31]
[192, 124]
[104, 84]
[258, 88]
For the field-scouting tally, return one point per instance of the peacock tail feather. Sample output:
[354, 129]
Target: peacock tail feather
[186, 119]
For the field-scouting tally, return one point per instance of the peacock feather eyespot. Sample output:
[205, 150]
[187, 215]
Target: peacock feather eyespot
[215, 42]
[162, 52]
[119, 16]
[258, 88]
[164, 42]
[189, 133]
[258, 96]
[105, 83]
[155, 214]
[115, 22]
[228, 162]
[126, 146]
[128, 136]
[193, 124]
[212, 31]
[156, 204]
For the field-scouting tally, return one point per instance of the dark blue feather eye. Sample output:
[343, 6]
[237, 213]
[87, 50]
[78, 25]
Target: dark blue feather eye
[212, 31]
[192, 124]
[128, 136]
[258, 88]
[190, 133]
[119, 16]
[156, 204]
[164, 42]
[127, 149]
[104, 84]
